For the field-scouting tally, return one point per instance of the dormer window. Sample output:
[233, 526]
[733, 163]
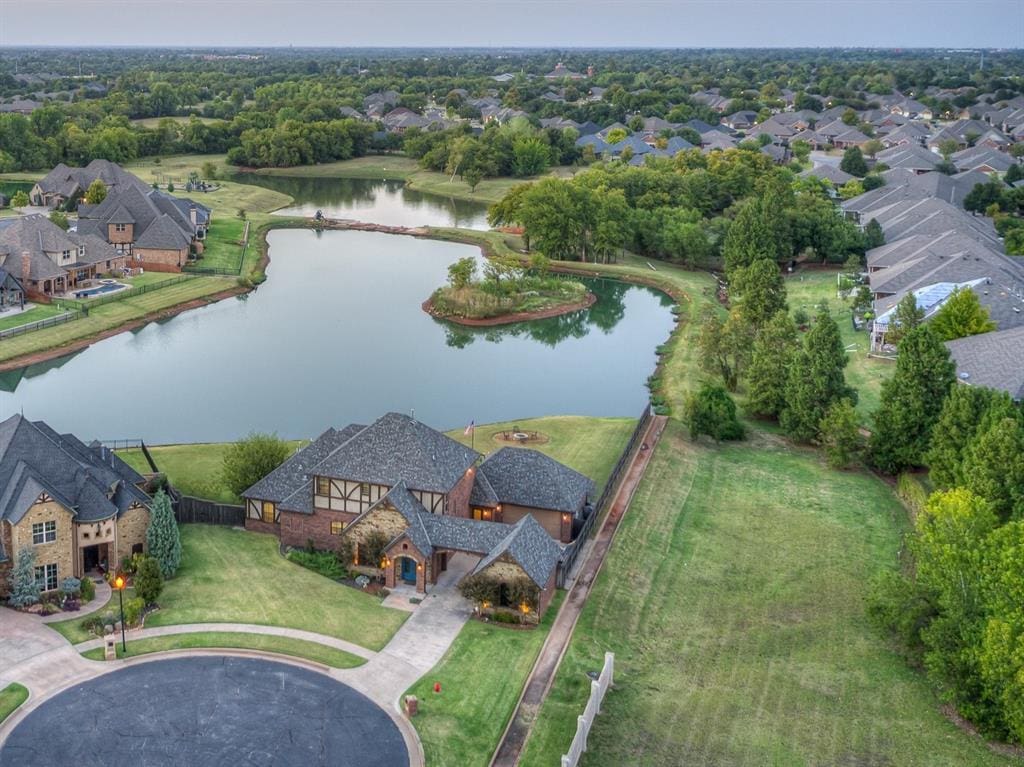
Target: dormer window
[65, 255]
[120, 227]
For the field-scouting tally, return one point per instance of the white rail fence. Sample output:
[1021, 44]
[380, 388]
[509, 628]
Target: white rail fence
[598, 688]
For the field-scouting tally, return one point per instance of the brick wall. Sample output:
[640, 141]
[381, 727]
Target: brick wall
[157, 260]
[131, 530]
[299, 529]
[558, 525]
[115, 237]
[458, 498]
[259, 526]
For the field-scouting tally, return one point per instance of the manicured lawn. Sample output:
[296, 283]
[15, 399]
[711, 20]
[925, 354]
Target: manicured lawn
[806, 290]
[223, 244]
[113, 315]
[591, 446]
[194, 469]
[36, 313]
[460, 727]
[233, 576]
[12, 696]
[149, 278]
[299, 648]
[73, 629]
[733, 599]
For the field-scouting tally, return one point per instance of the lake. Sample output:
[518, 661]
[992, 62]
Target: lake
[375, 201]
[337, 335]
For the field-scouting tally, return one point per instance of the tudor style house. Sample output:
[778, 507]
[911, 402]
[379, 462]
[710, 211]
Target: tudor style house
[77, 507]
[428, 497]
[65, 184]
[46, 261]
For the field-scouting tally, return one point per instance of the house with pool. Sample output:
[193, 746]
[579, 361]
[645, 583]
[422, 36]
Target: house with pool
[405, 498]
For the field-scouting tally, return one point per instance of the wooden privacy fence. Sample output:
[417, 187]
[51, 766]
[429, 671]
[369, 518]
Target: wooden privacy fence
[199, 511]
[598, 688]
[568, 559]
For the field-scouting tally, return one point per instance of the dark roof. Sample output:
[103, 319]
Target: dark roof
[529, 545]
[396, 447]
[991, 360]
[527, 477]
[294, 472]
[87, 480]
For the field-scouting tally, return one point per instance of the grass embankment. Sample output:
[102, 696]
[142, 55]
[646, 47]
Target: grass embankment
[298, 648]
[460, 726]
[12, 696]
[194, 469]
[35, 314]
[234, 576]
[533, 296]
[733, 599]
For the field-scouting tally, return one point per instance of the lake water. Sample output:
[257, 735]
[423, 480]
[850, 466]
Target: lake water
[337, 335]
[376, 201]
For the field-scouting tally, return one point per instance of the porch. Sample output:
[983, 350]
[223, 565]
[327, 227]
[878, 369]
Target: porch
[457, 565]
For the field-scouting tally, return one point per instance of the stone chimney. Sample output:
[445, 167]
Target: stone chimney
[193, 215]
[26, 267]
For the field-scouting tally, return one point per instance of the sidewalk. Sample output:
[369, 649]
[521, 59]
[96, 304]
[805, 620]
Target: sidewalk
[543, 674]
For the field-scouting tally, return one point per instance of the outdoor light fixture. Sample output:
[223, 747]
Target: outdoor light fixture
[119, 583]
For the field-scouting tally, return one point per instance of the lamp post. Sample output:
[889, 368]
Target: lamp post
[119, 584]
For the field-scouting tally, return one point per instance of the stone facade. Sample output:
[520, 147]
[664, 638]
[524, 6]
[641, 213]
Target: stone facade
[298, 529]
[61, 552]
[5, 566]
[131, 532]
[505, 570]
[385, 519]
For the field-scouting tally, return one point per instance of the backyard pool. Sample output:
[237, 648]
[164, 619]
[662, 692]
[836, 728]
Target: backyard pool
[105, 286]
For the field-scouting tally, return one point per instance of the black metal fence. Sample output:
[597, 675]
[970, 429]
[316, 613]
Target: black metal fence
[569, 555]
[189, 510]
[49, 322]
[92, 303]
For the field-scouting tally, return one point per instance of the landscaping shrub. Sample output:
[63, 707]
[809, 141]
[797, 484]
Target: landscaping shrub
[88, 590]
[371, 550]
[523, 591]
[480, 589]
[324, 562]
[71, 586]
[506, 616]
[94, 625]
[133, 611]
[711, 411]
[148, 580]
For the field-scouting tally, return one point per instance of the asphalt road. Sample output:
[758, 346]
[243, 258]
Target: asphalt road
[207, 712]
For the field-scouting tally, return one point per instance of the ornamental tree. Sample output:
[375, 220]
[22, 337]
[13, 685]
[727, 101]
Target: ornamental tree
[840, 434]
[96, 193]
[711, 411]
[962, 315]
[853, 162]
[24, 587]
[149, 581]
[163, 540]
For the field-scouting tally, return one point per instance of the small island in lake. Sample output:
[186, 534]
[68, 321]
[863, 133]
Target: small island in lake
[509, 291]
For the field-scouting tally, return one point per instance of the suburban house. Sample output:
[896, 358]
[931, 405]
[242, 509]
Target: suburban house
[11, 291]
[47, 261]
[77, 507]
[150, 228]
[64, 184]
[429, 496]
[991, 360]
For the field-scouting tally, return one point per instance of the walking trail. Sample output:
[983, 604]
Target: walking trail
[539, 682]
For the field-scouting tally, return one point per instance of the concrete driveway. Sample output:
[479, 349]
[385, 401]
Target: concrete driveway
[22, 637]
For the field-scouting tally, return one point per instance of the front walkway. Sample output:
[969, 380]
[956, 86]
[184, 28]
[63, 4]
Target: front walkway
[97, 603]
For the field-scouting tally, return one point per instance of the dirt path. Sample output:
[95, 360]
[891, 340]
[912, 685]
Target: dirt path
[539, 682]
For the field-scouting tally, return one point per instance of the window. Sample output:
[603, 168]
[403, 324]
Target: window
[44, 532]
[120, 227]
[323, 486]
[337, 528]
[46, 577]
[269, 512]
[364, 490]
[65, 255]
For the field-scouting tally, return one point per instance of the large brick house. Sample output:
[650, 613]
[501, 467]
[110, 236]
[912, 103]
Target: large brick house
[64, 184]
[429, 497]
[76, 506]
[47, 261]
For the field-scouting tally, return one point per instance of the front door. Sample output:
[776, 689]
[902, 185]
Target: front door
[90, 558]
[408, 570]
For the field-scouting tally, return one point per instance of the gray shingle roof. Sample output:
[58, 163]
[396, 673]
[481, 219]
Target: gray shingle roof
[396, 447]
[87, 480]
[992, 360]
[529, 545]
[527, 477]
[163, 233]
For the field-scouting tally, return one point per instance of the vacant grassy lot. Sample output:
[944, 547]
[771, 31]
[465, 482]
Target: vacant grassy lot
[36, 313]
[461, 726]
[113, 315]
[223, 245]
[12, 696]
[230, 575]
[194, 469]
[299, 648]
[807, 290]
[733, 599]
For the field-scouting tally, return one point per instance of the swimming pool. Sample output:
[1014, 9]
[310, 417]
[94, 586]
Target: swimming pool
[107, 286]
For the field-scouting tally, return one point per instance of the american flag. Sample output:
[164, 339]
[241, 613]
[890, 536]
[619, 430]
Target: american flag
[469, 429]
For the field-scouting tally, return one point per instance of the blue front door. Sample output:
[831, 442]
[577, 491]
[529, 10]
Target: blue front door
[408, 570]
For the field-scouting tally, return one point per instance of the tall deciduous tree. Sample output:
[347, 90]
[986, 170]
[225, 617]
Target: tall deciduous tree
[853, 162]
[96, 193]
[815, 380]
[962, 315]
[724, 347]
[163, 542]
[774, 348]
[249, 460]
[911, 402]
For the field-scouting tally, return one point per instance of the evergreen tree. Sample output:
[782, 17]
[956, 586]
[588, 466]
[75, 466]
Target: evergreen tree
[148, 581]
[24, 587]
[724, 347]
[162, 539]
[958, 424]
[994, 467]
[840, 434]
[761, 291]
[911, 402]
[815, 380]
[962, 315]
[761, 229]
[774, 348]
[874, 237]
[853, 162]
[906, 317]
[711, 411]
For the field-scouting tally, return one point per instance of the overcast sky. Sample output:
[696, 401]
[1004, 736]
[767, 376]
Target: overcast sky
[544, 23]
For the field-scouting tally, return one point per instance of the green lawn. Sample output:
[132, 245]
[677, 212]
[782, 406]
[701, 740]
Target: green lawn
[733, 599]
[113, 315]
[194, 469]
[460, 727]
[299, 648]
[12, 696]
[223, 244]
[74, 630]
[36, 313]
